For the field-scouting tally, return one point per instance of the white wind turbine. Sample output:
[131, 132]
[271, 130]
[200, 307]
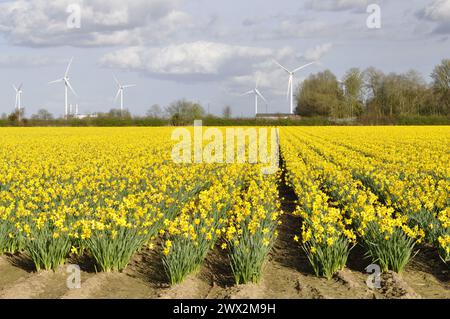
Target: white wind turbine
[67, 86]
[290, 91]
[120, 91]
[18, 104]
[257, 94]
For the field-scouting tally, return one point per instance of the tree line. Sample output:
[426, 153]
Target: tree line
[365, 96]
[372, 93]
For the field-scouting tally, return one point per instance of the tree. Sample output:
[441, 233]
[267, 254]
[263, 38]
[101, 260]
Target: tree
[414, 91]
[155, 111]
[353, 93]
[42, 114]
[17, 115]
[183, 112]
[319, 95]
[373, 79]
[116, 113]
[226, 112]
[397, 94]
[441, 86]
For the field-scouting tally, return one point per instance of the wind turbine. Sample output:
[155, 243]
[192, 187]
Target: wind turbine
[67, 86]
[120, 91]
[257, 94]
[18, 104]
[290, 90]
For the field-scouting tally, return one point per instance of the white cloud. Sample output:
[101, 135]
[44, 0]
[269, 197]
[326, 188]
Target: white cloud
[103, 22]
[316, 53]
[237, 67]
[192, 58]
[336, 5]
[272, 79]
[439, 12]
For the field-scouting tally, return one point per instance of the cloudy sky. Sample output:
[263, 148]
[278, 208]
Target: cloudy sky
[205, 50]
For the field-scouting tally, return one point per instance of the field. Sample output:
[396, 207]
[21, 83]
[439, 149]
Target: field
[113, 202]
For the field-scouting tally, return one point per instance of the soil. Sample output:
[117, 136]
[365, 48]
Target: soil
[287, 274]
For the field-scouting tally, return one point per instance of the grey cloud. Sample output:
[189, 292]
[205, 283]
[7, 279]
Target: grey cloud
[443, 28]
[192, 61]
[438, 10]
[316, 53]
[438, 13]
[103, 22]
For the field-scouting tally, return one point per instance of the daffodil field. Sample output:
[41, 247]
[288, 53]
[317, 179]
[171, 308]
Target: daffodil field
[108, 193]
[386, 188]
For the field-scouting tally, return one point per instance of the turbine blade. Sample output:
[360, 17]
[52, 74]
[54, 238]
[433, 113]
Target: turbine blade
[20, 87]
[129, 86]
[117, 95]
[15, 89]
[68, 67]
[281, 66]
[117, 81]
[71, 88]
[303, 66]
[248, 93]
[56, 81]
[261, 96]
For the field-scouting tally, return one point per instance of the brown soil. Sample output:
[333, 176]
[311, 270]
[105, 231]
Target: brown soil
[287, 274]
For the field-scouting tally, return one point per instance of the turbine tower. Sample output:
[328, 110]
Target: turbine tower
[120, 90]
[290, 91]
[18, 104]
[257, 94]
[67, 86]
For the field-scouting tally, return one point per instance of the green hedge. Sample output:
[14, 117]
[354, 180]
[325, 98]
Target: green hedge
[216, 121]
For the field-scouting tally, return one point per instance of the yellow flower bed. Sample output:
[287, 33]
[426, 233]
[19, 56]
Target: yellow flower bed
[389, 182]
[109, 192]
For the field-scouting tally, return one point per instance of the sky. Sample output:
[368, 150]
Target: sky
[207, 51]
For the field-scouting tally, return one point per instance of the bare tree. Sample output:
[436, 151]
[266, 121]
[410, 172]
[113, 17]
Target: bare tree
[42, 114]
[155, 111]
[226, 113]
[441, 86]
[353, 93]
